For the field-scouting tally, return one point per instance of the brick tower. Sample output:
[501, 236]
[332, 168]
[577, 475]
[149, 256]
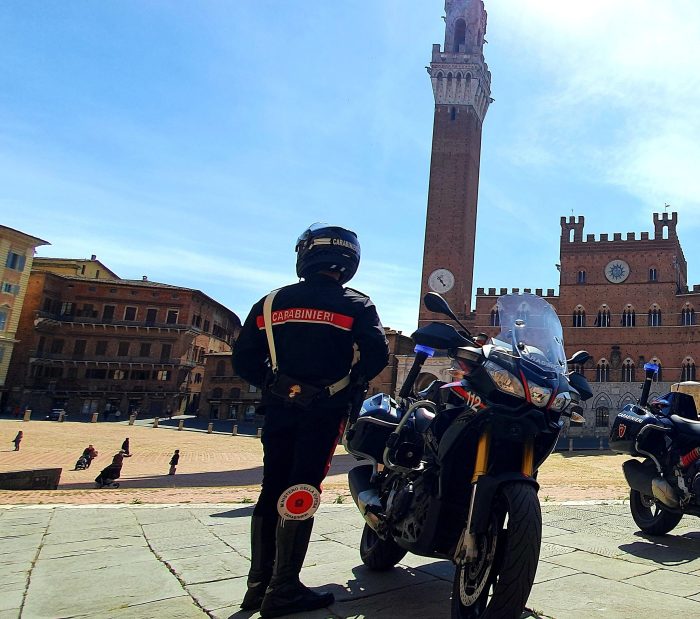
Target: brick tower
[462, 90]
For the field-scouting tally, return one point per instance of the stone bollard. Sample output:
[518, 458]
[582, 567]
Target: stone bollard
[259, 434]
[180, 424]
[132, 418]
[94, 417]
[155, 422]
[571, 444]
[210, 428]
[27, 415]
[62, 416]
[234, 432]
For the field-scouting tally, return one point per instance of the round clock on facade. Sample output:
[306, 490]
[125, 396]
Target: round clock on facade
[617, 271]
[441, 280]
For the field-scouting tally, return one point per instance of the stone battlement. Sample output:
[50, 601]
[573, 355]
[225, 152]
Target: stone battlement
[497, 292]
[572, 231]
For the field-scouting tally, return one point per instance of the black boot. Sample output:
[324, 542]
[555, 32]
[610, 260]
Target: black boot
[262, 548]
[286, 594]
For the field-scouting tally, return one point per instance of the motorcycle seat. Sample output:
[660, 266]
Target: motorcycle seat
[686, 427]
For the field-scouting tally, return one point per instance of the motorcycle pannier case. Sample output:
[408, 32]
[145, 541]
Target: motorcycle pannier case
[626, 427]
[378, 419]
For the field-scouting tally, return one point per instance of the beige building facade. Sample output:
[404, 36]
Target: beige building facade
[16, 257]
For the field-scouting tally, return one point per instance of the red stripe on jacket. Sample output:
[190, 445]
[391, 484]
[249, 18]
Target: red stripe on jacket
[308, 315]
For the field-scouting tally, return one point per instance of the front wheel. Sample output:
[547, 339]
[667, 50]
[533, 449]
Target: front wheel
[650, 517]
[379, 554]
[506, 562]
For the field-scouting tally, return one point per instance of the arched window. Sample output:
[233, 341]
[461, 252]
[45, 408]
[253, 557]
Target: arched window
[652, 275]
[220, 368]
[603, 318]
[495, 321]
[453, 113]
[628, 371]
[629, 318]
[216, 393]
[602, 371]
[602, 417]
[688, 369]
[460, 36]
[655, 316]
[687, 315]
[581, 279]
[579, 317]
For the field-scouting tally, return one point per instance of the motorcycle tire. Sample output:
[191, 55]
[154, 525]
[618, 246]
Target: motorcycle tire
[650, 517]
[379, 554]
[506, 561]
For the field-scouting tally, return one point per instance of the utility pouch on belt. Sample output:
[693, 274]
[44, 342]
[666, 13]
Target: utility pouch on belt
[295, 391]
[289, 389]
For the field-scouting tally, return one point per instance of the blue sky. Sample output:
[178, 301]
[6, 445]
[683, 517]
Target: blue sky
[193, 141]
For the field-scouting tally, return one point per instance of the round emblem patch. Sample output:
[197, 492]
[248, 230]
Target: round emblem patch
[299, 502]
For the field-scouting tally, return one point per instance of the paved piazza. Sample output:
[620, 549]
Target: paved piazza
[185, 561]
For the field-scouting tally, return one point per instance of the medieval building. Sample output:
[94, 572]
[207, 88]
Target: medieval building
[89, 341]
[624, 299]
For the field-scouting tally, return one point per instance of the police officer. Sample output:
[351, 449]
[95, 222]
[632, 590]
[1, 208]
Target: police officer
[306, 349]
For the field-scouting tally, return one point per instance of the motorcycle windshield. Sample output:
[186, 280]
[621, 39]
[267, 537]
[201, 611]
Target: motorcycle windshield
[531, 329]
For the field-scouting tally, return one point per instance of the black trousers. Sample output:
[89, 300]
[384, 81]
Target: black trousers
[297, 449]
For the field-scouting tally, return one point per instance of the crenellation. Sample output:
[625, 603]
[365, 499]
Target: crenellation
[603, 237]
[631, 236]
[492, 291]
[617, 236]
[645, 236]
[479, 291]
[590, 238]
[696, 287]
[504, 291]
[538, 292]
[550, 292]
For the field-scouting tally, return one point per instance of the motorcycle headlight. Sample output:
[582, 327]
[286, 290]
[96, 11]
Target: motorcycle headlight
[561, 402]
[504, 380]
[538, 394]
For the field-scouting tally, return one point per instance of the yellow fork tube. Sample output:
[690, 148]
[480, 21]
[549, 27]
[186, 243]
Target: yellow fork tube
[528, 457]
[482, 455]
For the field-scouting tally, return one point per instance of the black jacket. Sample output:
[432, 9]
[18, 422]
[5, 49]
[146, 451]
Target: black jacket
[315, 324]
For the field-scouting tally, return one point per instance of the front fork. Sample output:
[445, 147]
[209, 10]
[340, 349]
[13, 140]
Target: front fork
[466, 546]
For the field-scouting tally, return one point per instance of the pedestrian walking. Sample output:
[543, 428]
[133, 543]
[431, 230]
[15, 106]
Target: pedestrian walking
[18, 439]
[173, 462]
[311, 333]
[125, 447]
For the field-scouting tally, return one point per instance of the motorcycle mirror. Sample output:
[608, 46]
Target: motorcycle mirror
[579, 358]
[435, 303]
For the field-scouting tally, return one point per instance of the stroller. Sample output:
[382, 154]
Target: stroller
[86, 459]
[107, 476]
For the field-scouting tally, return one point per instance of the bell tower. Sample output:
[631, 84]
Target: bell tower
[462, 90]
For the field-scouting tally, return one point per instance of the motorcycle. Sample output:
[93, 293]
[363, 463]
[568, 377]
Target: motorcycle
[453, 467]
[665, 433]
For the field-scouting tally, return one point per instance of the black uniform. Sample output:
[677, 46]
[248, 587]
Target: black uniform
[315, 322]
[317, 325]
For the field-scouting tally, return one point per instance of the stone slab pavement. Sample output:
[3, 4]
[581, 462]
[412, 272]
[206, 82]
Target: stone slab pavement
[187, 561]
